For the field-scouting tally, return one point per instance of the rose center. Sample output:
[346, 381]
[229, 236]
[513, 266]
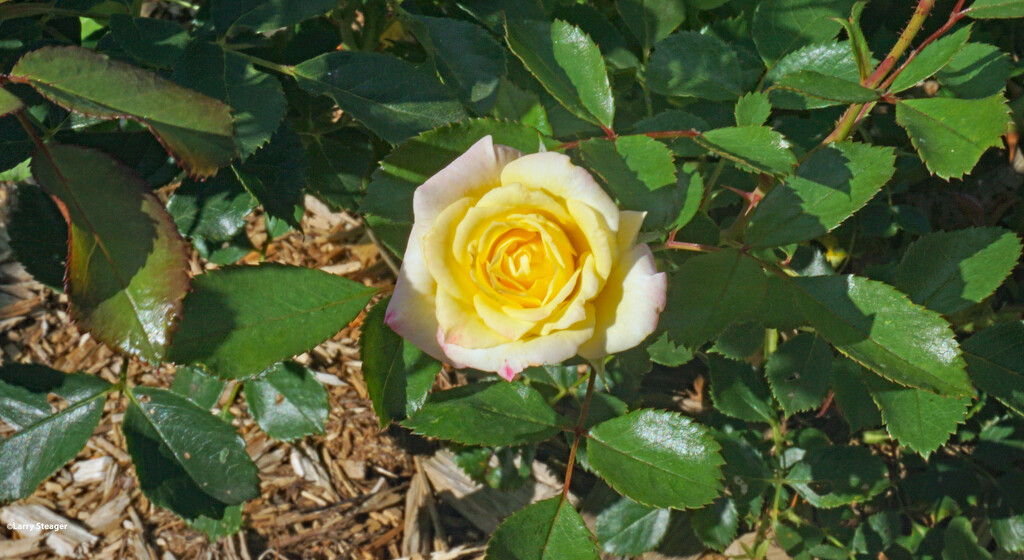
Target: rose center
[524, 261]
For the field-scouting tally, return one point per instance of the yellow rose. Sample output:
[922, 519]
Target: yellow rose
[521, 260]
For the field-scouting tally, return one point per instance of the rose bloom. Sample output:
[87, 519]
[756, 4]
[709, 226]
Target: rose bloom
[521, 260]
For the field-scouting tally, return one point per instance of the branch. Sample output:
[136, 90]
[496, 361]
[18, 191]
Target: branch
[580, 431]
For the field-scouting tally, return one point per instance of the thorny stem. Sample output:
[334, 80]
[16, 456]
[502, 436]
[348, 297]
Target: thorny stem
[597, 368]
[770, 517]
[856, 111]
[956, 15]
[686, 246]
[611, 135]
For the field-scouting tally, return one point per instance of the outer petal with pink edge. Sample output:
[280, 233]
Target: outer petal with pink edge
[513, 357]
[472, 174]
[411, 312]
[629, 306]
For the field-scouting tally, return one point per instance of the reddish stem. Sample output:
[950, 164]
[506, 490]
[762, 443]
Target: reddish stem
[956, 15]
[673, 133]
[579, 431]
[920, 13]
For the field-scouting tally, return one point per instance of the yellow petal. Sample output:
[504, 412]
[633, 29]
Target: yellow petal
[411, 312]
[627, 308]
[471, 174]
[601, 238]
[513, 357]
[556, 174]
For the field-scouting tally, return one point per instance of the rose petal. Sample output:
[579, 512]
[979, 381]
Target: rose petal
[511, 358]
[411, 312]
[629, 227]
[628, 307]
[556, 174]
[472, 174]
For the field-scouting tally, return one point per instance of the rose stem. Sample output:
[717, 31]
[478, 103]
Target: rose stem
[580, 431]
[855, 111]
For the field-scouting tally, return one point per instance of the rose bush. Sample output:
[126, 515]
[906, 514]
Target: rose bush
[521, 260]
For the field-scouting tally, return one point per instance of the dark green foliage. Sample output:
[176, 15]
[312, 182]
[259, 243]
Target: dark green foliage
[838, 365]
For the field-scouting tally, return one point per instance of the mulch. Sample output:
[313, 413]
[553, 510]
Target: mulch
[339, 495]
[356, 492]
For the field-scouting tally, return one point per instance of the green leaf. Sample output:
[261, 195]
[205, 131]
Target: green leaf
[974, 262]
[197, 386]
[995, 360]
[44, 441]
[835, 59]
[213, 210]
[287, 402]
[977, 71]
[568, 64]
[852, 395]
[657, 458]
[823, 86]
[1005, 509]
[918, 419]
[238, 321]
[651, 20]
[739, 390]
[780, 27]
[398, 375]
[39, 236]
[391, 97]
[547, 530]
[878, 327]
[753, 109]
[15, 145]
[256, 97]
[961, 542]
[932, 59]
[216, 528]
[338, 166]
[799, 372]
[746, 474]
[716, 524]
[186, 459]
[230, 16]
[524, 107]
[640, 172]
[828, 187]
[493, 413]
[986, 9]
[951, 134]
[740, 340]
[127, 270]
[757, 149]
[629, 528]
[859, 43]
[9, 102]
[274, 175]
[831, 476]
[408, 166]
[468, 59]
[152, 41]
[196, 129]
[708, 293]
[663, 351]
[779, 310]
[691, 64]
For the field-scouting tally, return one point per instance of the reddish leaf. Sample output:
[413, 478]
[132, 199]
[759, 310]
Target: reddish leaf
[196, 129]
[126, 272]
